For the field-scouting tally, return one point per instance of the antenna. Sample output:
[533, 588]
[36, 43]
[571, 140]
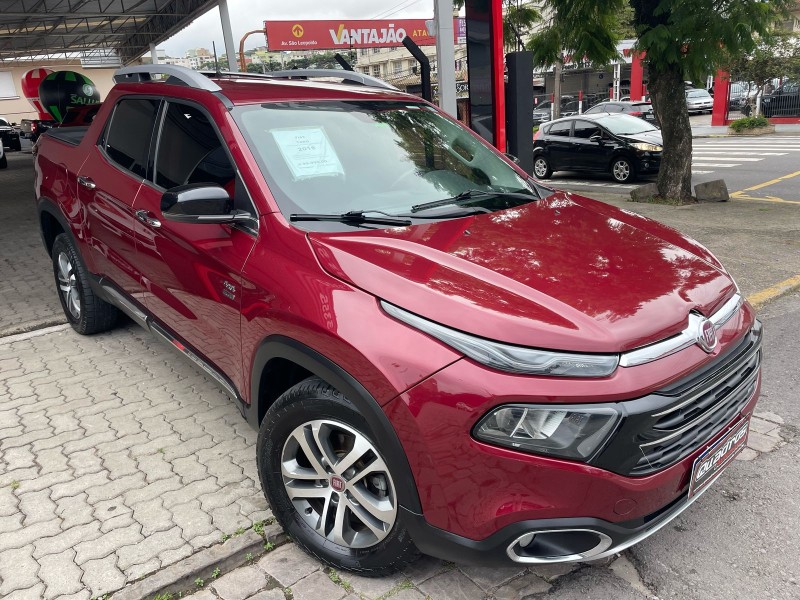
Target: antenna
[216, 61]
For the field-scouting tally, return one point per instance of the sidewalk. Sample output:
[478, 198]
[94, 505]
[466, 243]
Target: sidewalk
[714, 131]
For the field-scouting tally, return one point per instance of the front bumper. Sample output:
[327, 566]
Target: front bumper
[478, 500]
[648, 162]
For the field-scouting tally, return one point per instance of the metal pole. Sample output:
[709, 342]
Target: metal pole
[227, 35]
[446, 55]
[153, 54]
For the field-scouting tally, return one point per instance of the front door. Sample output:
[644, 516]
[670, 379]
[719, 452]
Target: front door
[191, 272]
[592, 149]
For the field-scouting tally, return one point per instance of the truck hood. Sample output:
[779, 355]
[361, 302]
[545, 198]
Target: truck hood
[562, 273]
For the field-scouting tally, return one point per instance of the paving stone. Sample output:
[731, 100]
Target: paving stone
[114, 488]
[406, 594]
[60, 574]
[85, 462]
[79, 485]
[155, 467]
[19, 458]
[52, 461]
[240, 583]
[8, 502]
[152, 491]
[74, 510]
[229, 519]
[747, 454]
[769, 416]
[762, 443]
[424, 568]
[489, 578]
[763, 426]
[451, 585]
[225, 496]
[189, 469]
[148, 548]
[102, 576]
[206, 595]
[192, 520]
[288, 564]
[153, 516]
[146, 568]
[43, 482]
[372, 587]
[33, 593]
[189, 492]
[553, 571]
[66, 539]
[108, 543]
[168, 557]
[11, 522]
[522, 587]
[317, 586]
[269, 595]
[17, 570]
[27, 535]
[37, 507]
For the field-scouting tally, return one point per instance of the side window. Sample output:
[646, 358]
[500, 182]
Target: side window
[560, 129]
[190, 151]
[586, 129]
[127, 139]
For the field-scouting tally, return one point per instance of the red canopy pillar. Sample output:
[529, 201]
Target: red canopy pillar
[722, 86]
[637, 77]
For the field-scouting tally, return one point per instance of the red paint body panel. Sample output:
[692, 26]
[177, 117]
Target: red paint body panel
[563, 273]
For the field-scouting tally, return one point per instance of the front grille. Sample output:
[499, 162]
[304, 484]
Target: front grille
[667, 426]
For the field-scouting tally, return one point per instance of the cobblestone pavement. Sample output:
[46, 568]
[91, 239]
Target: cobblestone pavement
[116, 458]
[27, 296]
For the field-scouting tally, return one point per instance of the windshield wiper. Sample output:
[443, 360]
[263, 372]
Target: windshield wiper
[353, 217]
[468, 196]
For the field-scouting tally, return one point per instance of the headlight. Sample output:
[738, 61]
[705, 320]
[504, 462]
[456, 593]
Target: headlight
[560, 431]
[513, 359]
[647, 147]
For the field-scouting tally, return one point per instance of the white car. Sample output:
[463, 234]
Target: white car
[699, 101]
[3, 159]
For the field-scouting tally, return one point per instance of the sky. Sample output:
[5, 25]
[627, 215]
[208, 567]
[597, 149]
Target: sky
[247, 15]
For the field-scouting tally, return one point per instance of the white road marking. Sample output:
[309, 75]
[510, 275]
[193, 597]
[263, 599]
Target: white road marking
[723, 156]
[721, 165]
[701, 172]
[728, 152]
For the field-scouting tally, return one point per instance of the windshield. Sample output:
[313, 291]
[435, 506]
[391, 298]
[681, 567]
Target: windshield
[625, 124]
[337, 156]
[4, 123]
[698, 94]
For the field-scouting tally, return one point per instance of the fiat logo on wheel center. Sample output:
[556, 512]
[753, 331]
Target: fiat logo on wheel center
[707, 337]
[337, 483]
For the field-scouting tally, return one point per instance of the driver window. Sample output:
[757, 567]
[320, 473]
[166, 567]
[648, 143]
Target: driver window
[190, 151]
[584, 130]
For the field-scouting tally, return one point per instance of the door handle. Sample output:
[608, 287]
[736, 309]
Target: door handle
[144, 217]
[86, 182]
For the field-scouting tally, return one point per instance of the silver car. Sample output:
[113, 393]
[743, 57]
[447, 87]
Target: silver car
[699, 101]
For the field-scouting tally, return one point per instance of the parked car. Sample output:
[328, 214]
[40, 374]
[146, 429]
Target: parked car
[783, 102]
[542, 112]
[31, 129]
[643, 110]
[621, 145]
[699, 101]
[439, 353]
[9, 136]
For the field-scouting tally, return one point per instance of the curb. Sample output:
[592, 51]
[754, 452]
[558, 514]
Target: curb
[759, 299]
[181, 576]
[32, 326]
[10, 338]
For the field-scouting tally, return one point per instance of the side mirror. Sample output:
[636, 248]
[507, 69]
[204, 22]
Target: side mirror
[512, 158]
[200, 203]
[13, 124]
[596, 138]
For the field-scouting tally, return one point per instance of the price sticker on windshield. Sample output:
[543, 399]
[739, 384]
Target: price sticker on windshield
[308, 152]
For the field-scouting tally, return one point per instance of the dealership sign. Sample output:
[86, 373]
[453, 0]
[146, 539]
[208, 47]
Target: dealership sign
[346, 34]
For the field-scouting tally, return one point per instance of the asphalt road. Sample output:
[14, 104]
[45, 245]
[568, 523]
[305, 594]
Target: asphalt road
[761, 168]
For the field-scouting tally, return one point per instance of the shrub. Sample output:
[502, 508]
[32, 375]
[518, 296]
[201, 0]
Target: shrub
[749, 123]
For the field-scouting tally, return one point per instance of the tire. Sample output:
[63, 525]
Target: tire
[16, 145]
[85, 311]
[313, 405]
[3, 161]
[542, 168]
[622, 170]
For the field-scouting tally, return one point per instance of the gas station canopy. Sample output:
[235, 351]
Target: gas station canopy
[101, 31]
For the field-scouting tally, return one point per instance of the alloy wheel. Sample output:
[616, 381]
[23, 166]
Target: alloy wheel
[540, 167]
[339, 484]
[68, 286]
[622, 170]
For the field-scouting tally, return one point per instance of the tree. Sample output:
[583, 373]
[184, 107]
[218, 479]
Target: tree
[518, 19]
[770, 59]
[682, 39]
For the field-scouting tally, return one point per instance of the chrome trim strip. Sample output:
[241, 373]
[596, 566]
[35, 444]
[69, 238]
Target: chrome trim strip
[684, 339]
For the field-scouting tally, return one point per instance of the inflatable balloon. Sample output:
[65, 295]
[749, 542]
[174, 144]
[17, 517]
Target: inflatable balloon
[30, 89]
[64, 89]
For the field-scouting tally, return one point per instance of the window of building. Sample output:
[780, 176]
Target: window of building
[397, 67]
[127, 139]
[376, 50]
[376, 70]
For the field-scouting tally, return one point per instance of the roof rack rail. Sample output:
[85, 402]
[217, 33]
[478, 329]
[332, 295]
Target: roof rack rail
[350, 76]
[184, 76]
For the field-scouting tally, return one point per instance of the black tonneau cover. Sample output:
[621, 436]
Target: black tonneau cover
[70, 135]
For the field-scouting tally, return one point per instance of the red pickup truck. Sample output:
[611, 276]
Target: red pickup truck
[439, 353]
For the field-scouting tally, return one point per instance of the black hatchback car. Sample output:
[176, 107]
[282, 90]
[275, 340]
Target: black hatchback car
[621, 145]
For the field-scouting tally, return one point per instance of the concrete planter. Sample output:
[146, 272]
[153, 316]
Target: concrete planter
[755, 131]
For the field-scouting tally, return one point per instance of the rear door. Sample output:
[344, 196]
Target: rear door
[191, 272]
[108, 182]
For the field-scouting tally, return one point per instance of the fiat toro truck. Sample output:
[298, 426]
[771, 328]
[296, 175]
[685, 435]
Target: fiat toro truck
[440, 354]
